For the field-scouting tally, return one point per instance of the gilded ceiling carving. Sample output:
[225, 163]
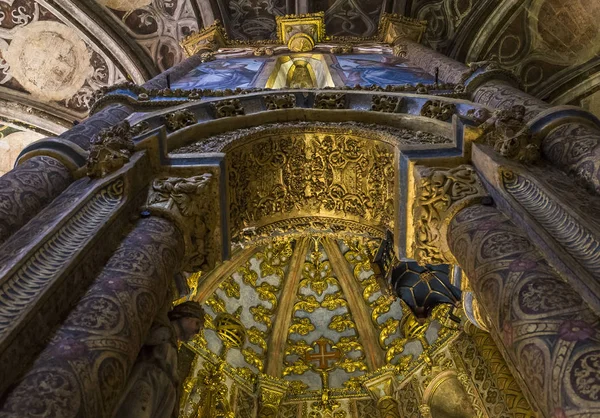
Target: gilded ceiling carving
[311, 174]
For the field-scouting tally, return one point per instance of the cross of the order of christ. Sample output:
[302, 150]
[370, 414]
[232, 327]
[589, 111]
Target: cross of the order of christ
[321, 356]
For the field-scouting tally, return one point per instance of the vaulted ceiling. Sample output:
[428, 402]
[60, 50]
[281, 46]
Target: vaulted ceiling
[55, 53]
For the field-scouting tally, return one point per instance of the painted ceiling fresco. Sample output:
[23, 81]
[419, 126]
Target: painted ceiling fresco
[327, 314]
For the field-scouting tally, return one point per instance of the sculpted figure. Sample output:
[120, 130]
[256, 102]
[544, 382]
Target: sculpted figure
[508, 133]
[152, 390]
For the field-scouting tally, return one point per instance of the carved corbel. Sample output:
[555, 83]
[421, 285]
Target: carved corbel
[510, 136]
[110, 150]
[439, 193]
[381, 389]
[189, 202]
[271, 391]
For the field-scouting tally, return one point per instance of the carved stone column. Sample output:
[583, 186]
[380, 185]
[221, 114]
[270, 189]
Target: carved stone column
[547, 333]
[83, 370]
[575, 148]
[450, 71]
[381, 389]
[27, 189]
[500, 94]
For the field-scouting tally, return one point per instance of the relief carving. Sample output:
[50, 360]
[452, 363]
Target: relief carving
[110, 150]
[188, 202]
[311, 174]
[280, 101]
[439, 194]
[227, 108]
[330, 101]
[508, 133]
[436, 109]
[180, 119]
[387, 104]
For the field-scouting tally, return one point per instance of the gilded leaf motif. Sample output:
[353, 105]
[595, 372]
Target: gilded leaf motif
[333, 301]
[249, 276]
[301, 326]
[274, 258]
[299, 348]
[231, 288]
[340, 323]
[395, 348]
[318, 275]
[381, 305]
[298, 367]
[297, 387]
[388, 328]
[267, 292]
[253, 358]
[216, 303]
[351, 365]
[370, 288]
[306, 303]
[261, 314]
[258, 337]
[348, 344]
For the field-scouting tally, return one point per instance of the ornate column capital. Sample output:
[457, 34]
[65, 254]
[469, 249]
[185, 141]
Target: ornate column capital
[381, 389]
[188, 202]
[206, 40]
[439, 193]
[271, 391]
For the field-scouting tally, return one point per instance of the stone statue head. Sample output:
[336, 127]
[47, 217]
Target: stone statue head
[188, 319]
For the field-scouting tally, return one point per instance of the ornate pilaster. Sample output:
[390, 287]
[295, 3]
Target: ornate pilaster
[381, 389]
[27, 189]
[543, 327]
[439, 193]
[83, 370]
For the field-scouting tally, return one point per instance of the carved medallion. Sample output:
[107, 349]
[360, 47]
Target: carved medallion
[49, 59]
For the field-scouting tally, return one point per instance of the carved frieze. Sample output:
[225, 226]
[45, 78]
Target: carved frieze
[439, 194]
[330, 101]
[227, 108]
[190, 203]
[436, 109]
[180, 119]
[110, 150]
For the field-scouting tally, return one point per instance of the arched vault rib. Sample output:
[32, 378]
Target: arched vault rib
[352, 291]
[211, 282]
[279, 334]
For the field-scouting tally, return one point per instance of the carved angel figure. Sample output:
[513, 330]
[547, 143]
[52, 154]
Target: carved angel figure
[152, 390]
